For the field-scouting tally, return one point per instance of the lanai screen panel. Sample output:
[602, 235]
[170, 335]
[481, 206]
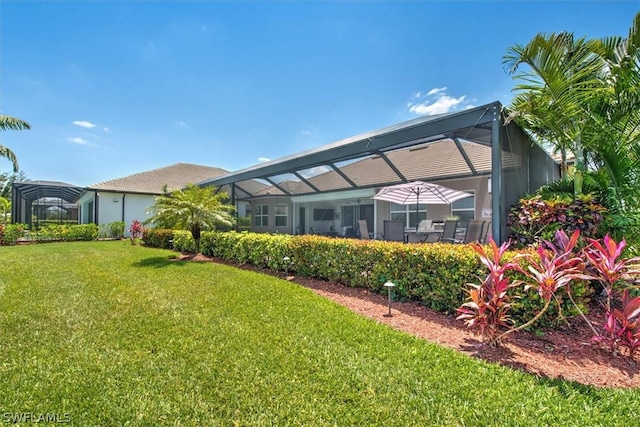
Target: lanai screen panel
[325, 178]
[370, 171]
[514, 169]
[431, 161]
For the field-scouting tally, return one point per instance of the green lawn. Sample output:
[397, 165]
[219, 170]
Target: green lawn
[114, 334]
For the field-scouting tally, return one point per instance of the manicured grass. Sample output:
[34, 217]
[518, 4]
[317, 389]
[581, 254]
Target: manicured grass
[114, 334]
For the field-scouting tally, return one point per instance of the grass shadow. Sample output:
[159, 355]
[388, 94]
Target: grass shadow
[158, 262]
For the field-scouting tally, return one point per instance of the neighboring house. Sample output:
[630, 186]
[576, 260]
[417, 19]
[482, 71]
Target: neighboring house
[130, 197]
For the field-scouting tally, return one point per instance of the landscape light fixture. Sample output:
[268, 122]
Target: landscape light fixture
[389, 285]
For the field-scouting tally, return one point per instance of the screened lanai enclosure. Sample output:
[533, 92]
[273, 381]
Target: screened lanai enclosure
[44, 202]
[329, 188]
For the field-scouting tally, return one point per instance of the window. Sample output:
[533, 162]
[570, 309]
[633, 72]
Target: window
[281, 213]
[408, 215]
[261, 216]
[465, 209]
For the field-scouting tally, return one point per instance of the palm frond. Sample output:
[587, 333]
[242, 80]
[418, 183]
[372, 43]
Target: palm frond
[13, 123]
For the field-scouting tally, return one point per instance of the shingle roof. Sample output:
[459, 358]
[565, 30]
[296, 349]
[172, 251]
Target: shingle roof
[175, 176]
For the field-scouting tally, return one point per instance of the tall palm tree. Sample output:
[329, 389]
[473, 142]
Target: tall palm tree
[560, 81]
[583, 97]
[194, 208]
[11, 123]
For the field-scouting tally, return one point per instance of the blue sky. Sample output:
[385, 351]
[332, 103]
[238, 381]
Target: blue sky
[114, 88]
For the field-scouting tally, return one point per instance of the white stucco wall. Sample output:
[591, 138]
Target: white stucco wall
[136, 207]
[110, 207]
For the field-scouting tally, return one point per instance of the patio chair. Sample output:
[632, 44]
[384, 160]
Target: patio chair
[393, 231]
[473, 233]
[432, 238]
[363, 229]
[485, 232]
[449, 231]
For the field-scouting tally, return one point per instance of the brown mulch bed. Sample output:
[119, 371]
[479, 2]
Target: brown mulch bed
[567, 353]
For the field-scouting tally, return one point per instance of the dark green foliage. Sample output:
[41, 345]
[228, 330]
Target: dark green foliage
[158, 238]
[621, 219]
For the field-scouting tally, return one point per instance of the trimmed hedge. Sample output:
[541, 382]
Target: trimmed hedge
[63, 232]
[158, 238]
[436, 275]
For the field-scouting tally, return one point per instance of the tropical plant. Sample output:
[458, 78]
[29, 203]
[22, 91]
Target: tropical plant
[194, 209]
[622, 326]
[605, 259]
[581, 97]
[490, 302]
[11, 123]
[135, 231]
[554, 268]
[535, 219]
[5, 208]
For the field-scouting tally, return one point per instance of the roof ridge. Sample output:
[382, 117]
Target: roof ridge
[176, 175]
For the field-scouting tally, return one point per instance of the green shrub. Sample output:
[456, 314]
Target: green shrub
[158, 238]
[84, 232]
[112, 230]
[116, 229]
[436, 275]
[183, 241]
[65, 232]
[10, 233]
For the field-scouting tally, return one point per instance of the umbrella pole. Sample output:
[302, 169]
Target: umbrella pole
[417, 210]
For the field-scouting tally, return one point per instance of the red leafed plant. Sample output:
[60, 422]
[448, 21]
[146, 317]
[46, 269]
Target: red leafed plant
[135, 230]
[607, 267]
[489, 302]
[554, 268]
[622, 327]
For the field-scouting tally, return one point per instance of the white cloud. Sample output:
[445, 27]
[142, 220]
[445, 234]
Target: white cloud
[436, 90]
[181, 124]
[78, 141]
[84, 124]
[437, 101]
[305, 132]
[263, 159]
[106, 130]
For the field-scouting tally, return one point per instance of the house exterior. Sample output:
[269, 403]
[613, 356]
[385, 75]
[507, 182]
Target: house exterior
[328, 189]
[129, 198]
